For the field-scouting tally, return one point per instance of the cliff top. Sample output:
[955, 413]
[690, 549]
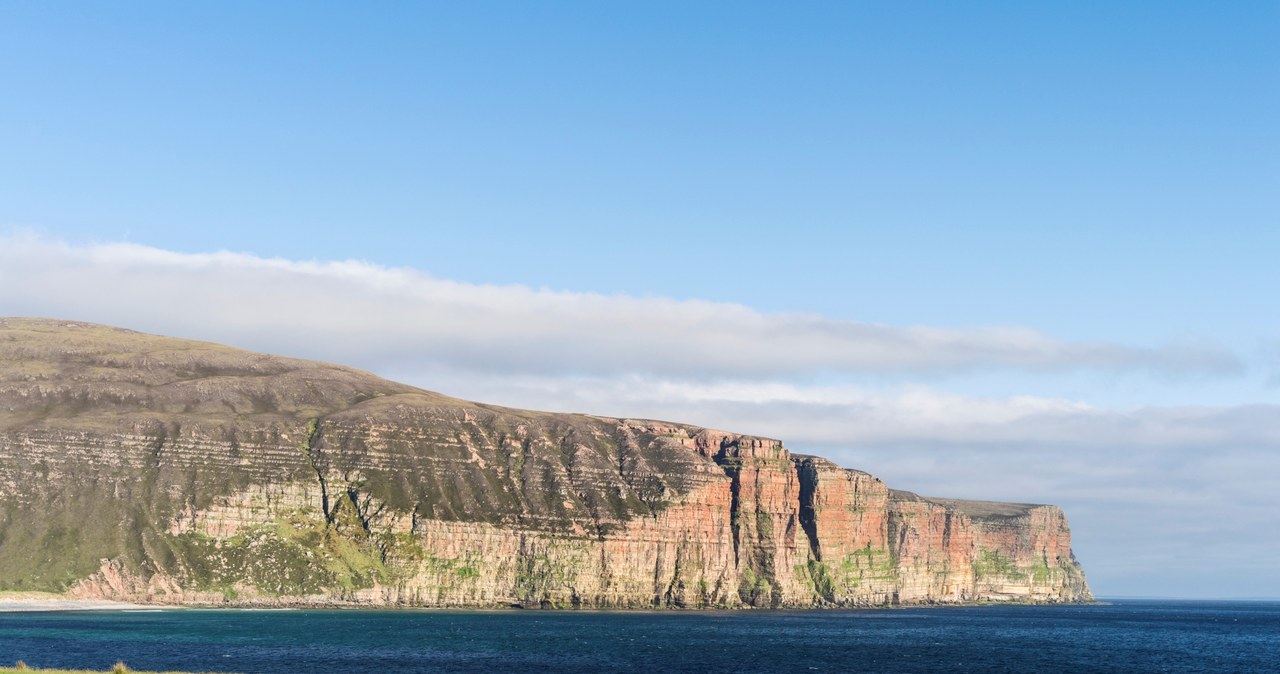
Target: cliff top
[979, 510]
[86, 376]
[55, 373]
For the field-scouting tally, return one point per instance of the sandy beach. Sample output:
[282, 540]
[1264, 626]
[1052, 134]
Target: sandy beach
[45, 601]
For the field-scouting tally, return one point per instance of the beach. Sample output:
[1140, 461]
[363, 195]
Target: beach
[47, 601]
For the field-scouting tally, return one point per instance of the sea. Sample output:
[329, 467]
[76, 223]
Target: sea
[1116, 636]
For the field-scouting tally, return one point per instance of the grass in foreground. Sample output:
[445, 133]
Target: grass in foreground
[119, 668]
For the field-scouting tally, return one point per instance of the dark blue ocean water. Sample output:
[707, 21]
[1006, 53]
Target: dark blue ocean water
[1126, 636]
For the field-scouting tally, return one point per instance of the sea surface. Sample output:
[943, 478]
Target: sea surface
[1122, 636]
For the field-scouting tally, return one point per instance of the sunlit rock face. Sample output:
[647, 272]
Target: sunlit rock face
[154, 469]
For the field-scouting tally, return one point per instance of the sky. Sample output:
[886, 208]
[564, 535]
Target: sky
[1005, 251]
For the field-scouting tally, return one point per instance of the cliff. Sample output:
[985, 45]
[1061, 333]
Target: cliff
[153, 469]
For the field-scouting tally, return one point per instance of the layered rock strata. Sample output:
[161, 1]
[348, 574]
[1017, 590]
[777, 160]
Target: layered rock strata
[150, 469]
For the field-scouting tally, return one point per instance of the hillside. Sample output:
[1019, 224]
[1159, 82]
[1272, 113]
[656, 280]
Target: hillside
[155, 469]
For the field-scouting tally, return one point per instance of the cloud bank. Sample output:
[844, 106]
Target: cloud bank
[349, 310]
[1179, 487]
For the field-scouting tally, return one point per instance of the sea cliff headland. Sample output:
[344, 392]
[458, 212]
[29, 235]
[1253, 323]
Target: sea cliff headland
[151, 469]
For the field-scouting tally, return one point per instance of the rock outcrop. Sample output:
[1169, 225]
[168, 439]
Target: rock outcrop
[151, 469]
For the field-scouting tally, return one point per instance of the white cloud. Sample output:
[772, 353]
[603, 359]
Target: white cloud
[848, 415]
[382, 317]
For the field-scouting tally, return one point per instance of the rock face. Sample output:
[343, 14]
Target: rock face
[152, 469]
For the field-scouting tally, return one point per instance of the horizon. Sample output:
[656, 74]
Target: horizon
[986, 252]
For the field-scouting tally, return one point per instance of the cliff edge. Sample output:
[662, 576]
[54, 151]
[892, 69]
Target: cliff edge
[150, 469]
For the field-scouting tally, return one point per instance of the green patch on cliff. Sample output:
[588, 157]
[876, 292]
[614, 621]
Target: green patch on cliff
[990, 563]
[49, 551]
[449, 570]
[260, 558]
[1043, 574]
[297, 554]
[820, 579]
[837, 583]
[866, 564]
[536, 578]
[755, 589]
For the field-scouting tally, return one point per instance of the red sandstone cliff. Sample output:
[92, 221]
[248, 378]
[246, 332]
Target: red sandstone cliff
[149, 469]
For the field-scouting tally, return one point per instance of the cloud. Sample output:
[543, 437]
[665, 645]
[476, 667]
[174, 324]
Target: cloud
[383, 317]
[848, 415]
[1269, 354]
[1179, 489]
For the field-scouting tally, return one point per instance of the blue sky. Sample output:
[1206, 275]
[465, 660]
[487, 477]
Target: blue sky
[994, 250]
